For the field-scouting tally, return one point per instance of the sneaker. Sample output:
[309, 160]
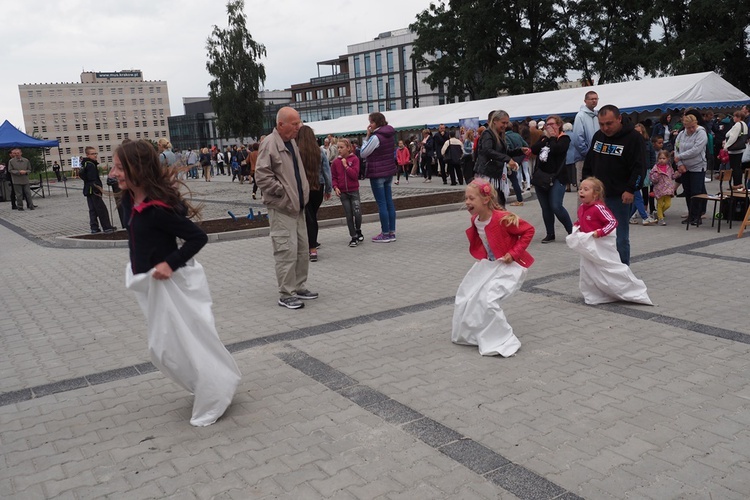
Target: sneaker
[649, 221]
[392, 236]
[548, 239]
[353, 243]
[305, 294]
[110, 230]
[291, 302]
[634, 220]
[382, 238]
[93, 231]
[516, 204]
[360, 236]
[313, 256]
[662, 222]
[654, 214]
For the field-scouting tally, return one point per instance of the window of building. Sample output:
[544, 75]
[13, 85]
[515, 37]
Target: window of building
[101, 91]
[119, 90]
[44, 129]
[39, 93]
[158, 90]
[381, 107]
[331, 93]
[85, 126]
[381, 90]
[151, 90]
[106, 137]
[319, 94]
[80, 150]
[144, 123]
[86, 138]
[357, 69]
[117, 124]
[133, 102]
[369, 90]
[29, 93]
[80, 138]
[156, 123]
[153, 101]
[108, 148]
[378, 63]
[137, 135]
[113, 91]
[142, 102]
[370, 108]
[32, 105]
[75, 104]
[95, 103]
[368, 70]
[132, 90]
[119, 136]
[308, 95]
[98, 126]
[140, 90]
[342, 91]
[137, 124]
[358, 90]
[161, 122]
[158, 100]
[391, 86]
[298, 97]
[99, 137]
[389, 60]
[78, 126]
[67, 152]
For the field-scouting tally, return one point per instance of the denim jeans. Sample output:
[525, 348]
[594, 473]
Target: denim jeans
[552, 206]
[621, 211]
[353, 212]
[638, 206]
[381, 190]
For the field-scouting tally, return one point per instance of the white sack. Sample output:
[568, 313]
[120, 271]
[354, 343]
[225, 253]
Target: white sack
[182, 339]
[604, 278]
[478, 318]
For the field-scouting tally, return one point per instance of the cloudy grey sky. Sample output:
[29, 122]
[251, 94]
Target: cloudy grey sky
[49, 42]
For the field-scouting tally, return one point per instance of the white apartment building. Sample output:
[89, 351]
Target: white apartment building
[383, 76]
[101, 111]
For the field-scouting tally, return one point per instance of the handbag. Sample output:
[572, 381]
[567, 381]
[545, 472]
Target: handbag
[739, 144]
[544, 180]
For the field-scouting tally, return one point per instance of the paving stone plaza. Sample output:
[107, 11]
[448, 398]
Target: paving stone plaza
[361, 394]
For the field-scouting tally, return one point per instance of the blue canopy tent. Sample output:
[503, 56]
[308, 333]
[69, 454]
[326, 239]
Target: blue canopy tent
[11, 137]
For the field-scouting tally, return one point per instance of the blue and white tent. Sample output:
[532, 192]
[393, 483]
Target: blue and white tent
[698, 90]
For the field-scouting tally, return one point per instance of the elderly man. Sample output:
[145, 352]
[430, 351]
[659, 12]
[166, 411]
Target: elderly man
[20, 168]
[281, 178]
[616, 157]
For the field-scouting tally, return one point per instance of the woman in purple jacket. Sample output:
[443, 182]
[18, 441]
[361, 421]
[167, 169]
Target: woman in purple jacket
[377, 149]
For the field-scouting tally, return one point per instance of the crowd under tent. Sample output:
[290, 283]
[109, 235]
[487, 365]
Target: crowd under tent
[698, 90]
[11, 137]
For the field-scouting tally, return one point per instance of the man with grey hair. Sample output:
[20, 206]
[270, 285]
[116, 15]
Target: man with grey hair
[19, 169]
[280, 175]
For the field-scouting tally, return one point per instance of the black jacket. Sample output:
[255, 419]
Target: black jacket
[89, 173]
[558, 149]
[617, 161]
[488, 147]
[438, 141]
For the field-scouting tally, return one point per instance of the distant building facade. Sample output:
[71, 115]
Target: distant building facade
[101, 111]
[197, 127]
[378, 75]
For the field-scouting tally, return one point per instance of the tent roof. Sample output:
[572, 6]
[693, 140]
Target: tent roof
[11, 137]
[699, 90]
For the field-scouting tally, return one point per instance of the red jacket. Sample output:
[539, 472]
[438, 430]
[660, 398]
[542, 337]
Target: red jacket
[402, 156]
[345, 178]
[502, 239]
[596, 217]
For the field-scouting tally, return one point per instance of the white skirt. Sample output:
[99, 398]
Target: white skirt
[182, 338]
[478, 318]
[604, 278]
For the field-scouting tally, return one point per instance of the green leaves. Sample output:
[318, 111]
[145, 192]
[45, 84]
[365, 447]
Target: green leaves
[237, 75]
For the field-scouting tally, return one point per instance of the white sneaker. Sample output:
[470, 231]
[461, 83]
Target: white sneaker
[634, 220]
[649, 221]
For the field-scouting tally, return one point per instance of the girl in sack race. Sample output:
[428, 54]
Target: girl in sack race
[498, 239]
[604, 278]
[169, 284]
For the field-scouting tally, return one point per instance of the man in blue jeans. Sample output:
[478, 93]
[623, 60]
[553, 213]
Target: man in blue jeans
[616, 157]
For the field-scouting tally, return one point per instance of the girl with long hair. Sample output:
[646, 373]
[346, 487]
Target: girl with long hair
[318, 172]
[169, 284]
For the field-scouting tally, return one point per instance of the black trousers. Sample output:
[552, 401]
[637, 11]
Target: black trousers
[311, 216]
[98, 213]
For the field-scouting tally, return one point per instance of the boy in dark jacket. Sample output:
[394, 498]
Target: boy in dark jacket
[92, 190]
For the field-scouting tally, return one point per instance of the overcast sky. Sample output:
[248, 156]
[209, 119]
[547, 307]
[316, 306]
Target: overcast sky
[48, 42]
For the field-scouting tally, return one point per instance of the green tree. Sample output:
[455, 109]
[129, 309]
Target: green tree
[693, 36]
[609, 38]
[482, 47]
[237, 75]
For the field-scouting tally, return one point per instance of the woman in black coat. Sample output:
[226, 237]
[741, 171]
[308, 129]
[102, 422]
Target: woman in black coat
[493, 157]
[551, 150]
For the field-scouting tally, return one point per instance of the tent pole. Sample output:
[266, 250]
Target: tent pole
[62, 170]
[44, 159]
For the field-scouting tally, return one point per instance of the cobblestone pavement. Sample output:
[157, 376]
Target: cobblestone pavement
[361, 395]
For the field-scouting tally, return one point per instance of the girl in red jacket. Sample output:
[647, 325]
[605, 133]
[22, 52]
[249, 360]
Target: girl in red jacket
[345, 180]
[604, 278]
[403, 158]
[498, 239]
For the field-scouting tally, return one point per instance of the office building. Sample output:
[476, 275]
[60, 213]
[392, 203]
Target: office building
[101, 111]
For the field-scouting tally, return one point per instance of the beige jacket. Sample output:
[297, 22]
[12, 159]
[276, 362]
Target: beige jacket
[15, 165]
[274, 174]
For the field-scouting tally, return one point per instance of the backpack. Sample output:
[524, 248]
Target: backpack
[454, 154]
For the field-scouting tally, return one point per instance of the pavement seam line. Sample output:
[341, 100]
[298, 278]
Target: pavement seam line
[514, 478]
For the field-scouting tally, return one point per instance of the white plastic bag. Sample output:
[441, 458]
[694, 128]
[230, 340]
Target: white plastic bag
[182, 338]
[604, 278]
[478, 318]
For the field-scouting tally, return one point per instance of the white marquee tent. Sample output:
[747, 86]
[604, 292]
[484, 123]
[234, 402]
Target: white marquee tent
[699, 90]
